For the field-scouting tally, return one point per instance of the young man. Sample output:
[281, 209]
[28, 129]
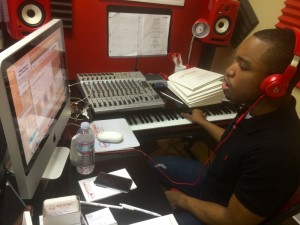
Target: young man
[256, 166]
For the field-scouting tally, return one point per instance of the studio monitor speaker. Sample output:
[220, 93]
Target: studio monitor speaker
[221, 18]
[24, 16]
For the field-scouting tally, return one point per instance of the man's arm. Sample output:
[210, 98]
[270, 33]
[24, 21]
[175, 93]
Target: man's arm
[212, 213]
[198, 117]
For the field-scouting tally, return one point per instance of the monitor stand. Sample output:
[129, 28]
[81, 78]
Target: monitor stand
[57, 163]
[54, 167]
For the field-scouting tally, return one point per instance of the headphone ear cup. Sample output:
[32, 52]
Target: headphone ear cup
[273, 86]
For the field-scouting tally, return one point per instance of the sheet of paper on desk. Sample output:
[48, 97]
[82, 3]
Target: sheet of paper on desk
[27, 218]
[162, 220]
[101, 217]
[118, 125]
[92, 192]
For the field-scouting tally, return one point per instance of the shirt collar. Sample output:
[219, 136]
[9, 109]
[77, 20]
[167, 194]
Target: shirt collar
[256, 123]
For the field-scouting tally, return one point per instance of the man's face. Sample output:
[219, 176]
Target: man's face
[243, 77]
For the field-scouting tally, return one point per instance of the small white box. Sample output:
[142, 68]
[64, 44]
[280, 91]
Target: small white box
[62, 211]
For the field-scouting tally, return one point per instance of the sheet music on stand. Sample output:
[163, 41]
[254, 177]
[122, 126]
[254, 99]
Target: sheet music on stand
[136, 31]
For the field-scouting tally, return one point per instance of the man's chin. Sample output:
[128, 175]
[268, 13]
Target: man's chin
[228, 98]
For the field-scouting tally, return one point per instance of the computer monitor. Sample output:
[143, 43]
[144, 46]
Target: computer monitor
[34, 103]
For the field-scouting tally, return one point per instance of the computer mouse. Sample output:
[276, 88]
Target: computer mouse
[110, 136]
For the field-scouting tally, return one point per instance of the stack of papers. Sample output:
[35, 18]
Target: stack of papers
[197, 87]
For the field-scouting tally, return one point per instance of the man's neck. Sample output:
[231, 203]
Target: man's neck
[267, 105]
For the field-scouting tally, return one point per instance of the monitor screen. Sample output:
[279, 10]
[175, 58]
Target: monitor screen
[34, 102]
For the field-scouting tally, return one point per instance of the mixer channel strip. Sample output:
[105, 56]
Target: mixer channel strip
[112, 92]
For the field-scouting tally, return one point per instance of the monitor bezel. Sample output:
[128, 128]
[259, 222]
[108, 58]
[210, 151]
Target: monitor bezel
[27, 181]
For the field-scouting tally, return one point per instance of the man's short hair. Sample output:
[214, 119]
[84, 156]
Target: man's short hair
[281, 51]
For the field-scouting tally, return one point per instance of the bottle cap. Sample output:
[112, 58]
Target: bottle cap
[85, 125]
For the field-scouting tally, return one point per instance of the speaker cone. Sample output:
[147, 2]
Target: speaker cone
[31, 14]
[222, 25]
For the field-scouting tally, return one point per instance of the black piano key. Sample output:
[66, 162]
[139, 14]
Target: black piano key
[225, 109]
[145, 118]
[156, 117]
[208, 111]
[129, 121]
[160, 117]
[171, 115]
[176, 116]
[166, 115]
[215, 110]
[232, 107]
[141, 118]
[134, 120]
[149, 117]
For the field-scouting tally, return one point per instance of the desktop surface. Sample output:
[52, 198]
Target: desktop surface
[148, 194]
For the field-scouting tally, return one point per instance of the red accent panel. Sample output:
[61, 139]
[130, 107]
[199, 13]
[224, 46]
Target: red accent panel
[290, 17]
[290, 14]
[86, 43]
[292, 3]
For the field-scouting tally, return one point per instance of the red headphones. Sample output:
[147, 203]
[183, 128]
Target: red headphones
[276, 85]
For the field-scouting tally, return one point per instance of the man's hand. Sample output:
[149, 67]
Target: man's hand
[175, 197]
[197, 116]
[212, 213]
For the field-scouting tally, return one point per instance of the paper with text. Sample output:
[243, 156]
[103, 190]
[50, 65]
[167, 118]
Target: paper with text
[133, 34]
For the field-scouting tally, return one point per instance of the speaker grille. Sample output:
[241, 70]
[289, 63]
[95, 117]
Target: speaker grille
[62, 9]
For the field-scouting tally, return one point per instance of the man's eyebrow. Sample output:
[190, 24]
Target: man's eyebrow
[246, 62]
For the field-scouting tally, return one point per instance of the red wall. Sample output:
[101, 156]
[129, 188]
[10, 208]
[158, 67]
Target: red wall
[86, 43]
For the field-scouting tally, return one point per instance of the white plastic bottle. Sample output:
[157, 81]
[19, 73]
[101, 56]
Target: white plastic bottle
[85, 150]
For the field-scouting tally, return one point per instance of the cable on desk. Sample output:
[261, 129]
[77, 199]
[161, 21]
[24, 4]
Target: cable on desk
[159, 169]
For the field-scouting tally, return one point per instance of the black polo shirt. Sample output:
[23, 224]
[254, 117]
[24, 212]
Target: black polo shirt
[259, 162]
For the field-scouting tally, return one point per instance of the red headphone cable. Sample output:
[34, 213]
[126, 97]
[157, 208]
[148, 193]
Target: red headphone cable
[241, 117]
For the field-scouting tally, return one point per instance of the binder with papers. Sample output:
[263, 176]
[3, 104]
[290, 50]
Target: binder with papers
[197, 87]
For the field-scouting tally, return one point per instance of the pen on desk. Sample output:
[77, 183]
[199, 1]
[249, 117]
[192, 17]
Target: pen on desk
[102, 205]
[130, 207]
[171, 97]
